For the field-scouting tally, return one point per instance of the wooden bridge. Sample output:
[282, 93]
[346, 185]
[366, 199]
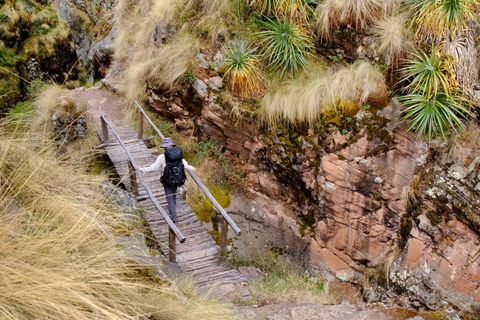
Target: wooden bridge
[188, 242]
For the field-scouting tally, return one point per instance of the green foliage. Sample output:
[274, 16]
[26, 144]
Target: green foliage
[429, 73]
[189, 77]
[282, 280]
[286, 45]
[9, 58]
[434, 104]
[434, 18]
[243, 69]
[204, 208]
[19, 116]
[35, 87]
[434, 115]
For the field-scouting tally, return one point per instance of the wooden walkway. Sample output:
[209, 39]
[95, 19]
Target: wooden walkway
[198, 256]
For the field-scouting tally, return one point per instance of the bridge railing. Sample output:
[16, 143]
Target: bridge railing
[134, 174]
[226, 219]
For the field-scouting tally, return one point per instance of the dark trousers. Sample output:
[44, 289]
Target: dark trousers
[171, 193]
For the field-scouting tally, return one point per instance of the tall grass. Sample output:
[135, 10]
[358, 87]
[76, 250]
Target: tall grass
[243, 69]
[393, 39]
[286, 45]
[333, 14]
[306, 98]
[61, 257]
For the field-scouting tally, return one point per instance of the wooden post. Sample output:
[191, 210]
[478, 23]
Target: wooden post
[133, 178]
[224, 236]
[140, 129]
[104, 130]
[172, 246]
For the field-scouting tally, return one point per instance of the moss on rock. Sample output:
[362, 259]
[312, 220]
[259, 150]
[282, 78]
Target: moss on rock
[34, 42]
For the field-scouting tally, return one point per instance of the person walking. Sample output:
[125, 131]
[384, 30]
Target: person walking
[172, 172]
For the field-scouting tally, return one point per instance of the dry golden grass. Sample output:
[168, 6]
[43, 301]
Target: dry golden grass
[148, 60]
[332, 14]
[159, 67]
[52, 99]
[304, 99]
[392, 38]
[462, 48]
[59, 250]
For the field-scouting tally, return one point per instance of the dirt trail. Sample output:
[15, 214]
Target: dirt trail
[113, 106]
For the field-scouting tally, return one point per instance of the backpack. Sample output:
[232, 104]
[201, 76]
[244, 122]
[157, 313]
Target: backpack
[174, 172]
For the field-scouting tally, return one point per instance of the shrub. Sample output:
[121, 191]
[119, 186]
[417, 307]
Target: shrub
[434, 115]
[429, 73]
[286, 45]
[243, 69]
[332, 14]
[433, 18]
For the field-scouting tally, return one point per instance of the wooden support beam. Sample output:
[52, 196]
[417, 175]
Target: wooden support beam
[104, 130]
[141, 126]
[172, 246]
[224, 236]
[133, 178]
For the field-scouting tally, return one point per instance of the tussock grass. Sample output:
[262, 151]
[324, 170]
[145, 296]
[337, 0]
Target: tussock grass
[54, 98]
[429, 73]
[286, 45]
[434, 19]
[295, 10]
[333, 14]
[159, 67]
[435, 105]
[243, 69]
[306, 98]
[392, 38]
[152, 59]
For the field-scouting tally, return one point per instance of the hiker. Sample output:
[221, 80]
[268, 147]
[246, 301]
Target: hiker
[172, 171]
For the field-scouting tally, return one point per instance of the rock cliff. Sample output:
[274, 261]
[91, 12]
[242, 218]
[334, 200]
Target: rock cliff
[369, 204]
[373, 206]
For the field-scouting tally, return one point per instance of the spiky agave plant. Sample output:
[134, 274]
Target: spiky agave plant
[433, 18]
[435, 115]
[429, 73]
[286, 45]
[243, 69]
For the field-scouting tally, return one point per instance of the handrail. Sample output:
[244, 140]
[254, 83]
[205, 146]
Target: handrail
[195, 178]
[169, 221]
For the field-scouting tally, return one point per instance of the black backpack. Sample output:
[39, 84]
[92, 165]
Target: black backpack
[174, 173]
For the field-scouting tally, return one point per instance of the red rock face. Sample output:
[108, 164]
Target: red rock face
[348, 195]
